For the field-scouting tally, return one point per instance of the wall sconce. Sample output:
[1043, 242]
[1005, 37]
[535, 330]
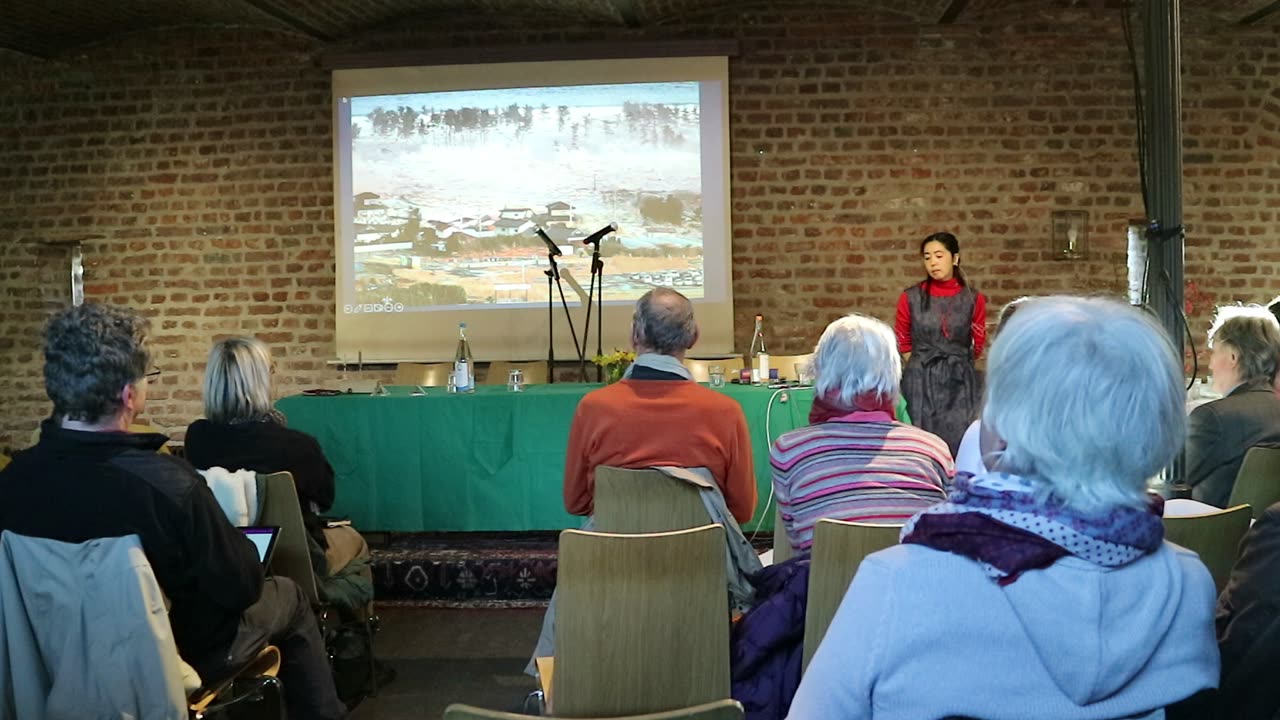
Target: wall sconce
[1070, 234]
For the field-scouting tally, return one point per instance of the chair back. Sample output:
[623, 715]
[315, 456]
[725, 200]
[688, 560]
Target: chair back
[838, 550]
[720, 710]
[535, 372]
[280, 506]
[1258, 482]
[701, 369]
[1214, 536]
[4, 461]
[642, 622]
[782, 550]
[645, 501]
[431, 375]
[786, 365]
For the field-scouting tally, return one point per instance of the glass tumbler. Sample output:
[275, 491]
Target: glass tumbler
[717, 375]
[515, 381]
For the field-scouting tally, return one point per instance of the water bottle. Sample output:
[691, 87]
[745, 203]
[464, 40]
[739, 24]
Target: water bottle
[759, 355]
[464, 366]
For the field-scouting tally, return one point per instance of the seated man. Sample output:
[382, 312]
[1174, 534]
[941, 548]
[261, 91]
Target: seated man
[658, 416]
[1248, 611]
[89, 477]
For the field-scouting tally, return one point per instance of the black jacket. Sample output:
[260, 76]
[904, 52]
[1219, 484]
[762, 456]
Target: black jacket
[1247, 619]
[1221, 432]
[76, 486]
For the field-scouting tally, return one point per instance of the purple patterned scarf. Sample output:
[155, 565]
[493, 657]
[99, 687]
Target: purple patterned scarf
[997, 520]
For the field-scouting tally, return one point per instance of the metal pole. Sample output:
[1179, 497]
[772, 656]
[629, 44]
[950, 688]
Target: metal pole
[1163, 150]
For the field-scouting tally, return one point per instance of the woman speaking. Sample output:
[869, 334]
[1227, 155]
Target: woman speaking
[941, 327]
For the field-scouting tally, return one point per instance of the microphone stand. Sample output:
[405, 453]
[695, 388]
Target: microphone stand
[553, 275]
[597, 279]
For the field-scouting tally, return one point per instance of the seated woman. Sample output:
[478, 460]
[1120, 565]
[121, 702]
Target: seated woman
[1245, 344]
[1044, 588]
[241, 431]
[859, 464]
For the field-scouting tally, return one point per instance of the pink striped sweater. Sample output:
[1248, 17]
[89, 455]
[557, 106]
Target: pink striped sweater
[864, 467]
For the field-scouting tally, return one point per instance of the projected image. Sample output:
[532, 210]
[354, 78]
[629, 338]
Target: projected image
[448, 188]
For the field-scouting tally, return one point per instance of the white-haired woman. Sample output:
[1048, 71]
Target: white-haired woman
[1245, 345]
[1042, 589]
[860, 463]
[241, 430]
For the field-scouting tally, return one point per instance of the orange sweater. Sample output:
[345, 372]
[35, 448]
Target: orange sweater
[645, 423]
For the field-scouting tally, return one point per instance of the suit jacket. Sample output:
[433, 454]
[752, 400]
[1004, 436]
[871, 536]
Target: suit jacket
[1247, 609]
[1221, 432]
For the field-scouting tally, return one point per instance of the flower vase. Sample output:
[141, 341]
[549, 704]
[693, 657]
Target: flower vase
[613, 373]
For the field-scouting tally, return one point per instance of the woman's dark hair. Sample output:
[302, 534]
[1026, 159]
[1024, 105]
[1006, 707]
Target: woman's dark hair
[952, 245]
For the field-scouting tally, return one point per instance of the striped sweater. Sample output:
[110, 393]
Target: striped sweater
[864, 467]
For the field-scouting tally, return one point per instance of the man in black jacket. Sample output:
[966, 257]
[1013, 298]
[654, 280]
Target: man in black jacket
[89, 477]
[1248, 621]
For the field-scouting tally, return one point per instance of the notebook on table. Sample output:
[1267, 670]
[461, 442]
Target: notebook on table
[264, 539]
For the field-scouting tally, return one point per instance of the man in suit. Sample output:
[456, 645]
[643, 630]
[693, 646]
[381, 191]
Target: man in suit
[1245, 344]
[1247, 610]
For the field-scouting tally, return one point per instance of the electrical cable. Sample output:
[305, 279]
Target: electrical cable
[768, 435]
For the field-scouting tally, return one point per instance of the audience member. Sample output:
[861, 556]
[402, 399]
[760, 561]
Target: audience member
[1245, 348]
[1043, 588]
[1249, 625]
[969, 454]
[657, 415]
[89, 477]
[861, 465]
[242, 431]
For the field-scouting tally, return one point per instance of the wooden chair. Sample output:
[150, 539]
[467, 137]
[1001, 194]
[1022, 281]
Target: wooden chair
[260, 673]
[701, 369]
[786, 365]
[720, 710]
[1258, 482]
[645, 501]
[782, 550]
[432, 375]
[279, 506]
[838, 550]
[4, 461]
[1214, 536]
[535, 372]
[642, 623]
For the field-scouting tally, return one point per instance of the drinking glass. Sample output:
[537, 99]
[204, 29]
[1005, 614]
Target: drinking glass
[802, 373]
[515, 381]
[717, 375]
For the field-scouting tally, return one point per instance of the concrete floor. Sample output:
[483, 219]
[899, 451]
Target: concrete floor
[441, 657]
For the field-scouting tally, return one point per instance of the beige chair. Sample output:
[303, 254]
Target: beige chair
[1214, 536]
[535, 372]
[701, 369]
[642, 623]
[786, 365]
[432, 375]
[721, 710]
[4, 460]
[782, 550]
[838, 550]
[645, 501]
[1258, 482]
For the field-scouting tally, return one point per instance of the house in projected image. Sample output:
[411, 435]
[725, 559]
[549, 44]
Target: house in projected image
[559, 212]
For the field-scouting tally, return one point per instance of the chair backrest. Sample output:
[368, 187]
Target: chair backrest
[642, 622]
[4, 460]
[782, 549]
[535, 372]
[838, 550]
[1258, 482]
[432, 375]
[645, 501]
[701, 369]
[1214, 536]
[720, 710]
[786, 365]
[280, 506]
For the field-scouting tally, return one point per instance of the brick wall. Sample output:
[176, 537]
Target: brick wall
[200, 162]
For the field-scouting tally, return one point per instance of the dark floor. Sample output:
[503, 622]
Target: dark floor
[443, 656]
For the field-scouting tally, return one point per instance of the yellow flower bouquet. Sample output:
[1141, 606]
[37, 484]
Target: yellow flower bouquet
[614, 364]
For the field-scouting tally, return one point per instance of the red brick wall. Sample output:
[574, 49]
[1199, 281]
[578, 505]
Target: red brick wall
[203, 158]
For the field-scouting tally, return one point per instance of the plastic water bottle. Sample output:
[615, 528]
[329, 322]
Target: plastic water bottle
[464, 366]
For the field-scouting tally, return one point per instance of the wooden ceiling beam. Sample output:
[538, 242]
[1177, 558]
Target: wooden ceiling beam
[953, 11]
[1260, 14]
[288, 18]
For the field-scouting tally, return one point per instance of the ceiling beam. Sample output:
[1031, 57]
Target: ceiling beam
[952, 12]
[289, 19]
[1260, 14]
[628, 11]
[471, 55]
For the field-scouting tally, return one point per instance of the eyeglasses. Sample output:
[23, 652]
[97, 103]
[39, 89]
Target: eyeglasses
[155, 373]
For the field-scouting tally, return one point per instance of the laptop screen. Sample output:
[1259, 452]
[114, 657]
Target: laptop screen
[264, 539]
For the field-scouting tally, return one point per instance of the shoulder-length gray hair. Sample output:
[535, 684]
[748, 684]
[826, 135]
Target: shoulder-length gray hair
[237, 381]
[1087, 395]
[1253, 332]
[856, 356]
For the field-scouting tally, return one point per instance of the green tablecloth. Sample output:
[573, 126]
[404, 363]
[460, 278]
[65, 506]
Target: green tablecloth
[489, 460]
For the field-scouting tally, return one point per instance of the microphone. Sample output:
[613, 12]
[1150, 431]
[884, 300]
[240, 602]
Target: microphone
[552, 247]
[595, 237]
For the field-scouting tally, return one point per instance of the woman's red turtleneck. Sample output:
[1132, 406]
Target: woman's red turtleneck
[943, 288]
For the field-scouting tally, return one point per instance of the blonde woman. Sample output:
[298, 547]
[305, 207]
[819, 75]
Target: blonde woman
[242, 431]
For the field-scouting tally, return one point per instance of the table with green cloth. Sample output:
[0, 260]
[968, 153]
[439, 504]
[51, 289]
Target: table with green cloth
[491, 460]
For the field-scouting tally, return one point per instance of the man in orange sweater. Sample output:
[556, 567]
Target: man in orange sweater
[657, 415]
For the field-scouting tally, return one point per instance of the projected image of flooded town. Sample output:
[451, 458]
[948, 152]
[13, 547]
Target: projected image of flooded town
[449, 187]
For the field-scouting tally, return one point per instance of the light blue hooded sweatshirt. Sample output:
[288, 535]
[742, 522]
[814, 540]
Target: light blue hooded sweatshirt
[923, 634]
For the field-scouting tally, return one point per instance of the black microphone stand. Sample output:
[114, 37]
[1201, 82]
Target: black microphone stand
[597, 280]
[553, 275]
